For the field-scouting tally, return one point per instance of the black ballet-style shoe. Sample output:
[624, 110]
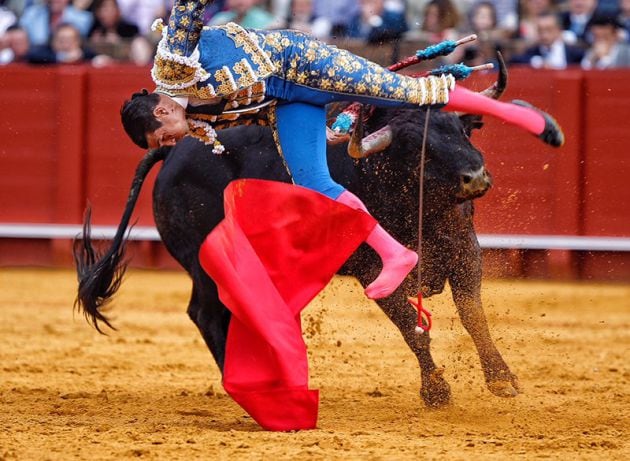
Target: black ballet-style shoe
[552, 134]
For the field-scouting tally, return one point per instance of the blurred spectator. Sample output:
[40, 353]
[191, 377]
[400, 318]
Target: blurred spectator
[441, 19]
[284, 8]
[108, 26]
[85, 5]
[482, 20]
[575, 21]
[17, 6]
[608, 6]
[415, 13]
[212, 8]
[507, 15]
[335, 15]
[141, 51]
[607, 51]
[7, 18]
[530, 10]
[14, 45]
[624, 18]
[551, 52]
[66, 47]
[247, 13]
[142, 13]
[300, 17]
[379, 21]
[41, 19]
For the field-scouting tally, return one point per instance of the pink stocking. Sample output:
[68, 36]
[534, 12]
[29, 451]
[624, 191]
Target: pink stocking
[464, 100]
[397, 259]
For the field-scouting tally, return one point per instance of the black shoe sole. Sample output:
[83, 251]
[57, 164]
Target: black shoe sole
[552, 134]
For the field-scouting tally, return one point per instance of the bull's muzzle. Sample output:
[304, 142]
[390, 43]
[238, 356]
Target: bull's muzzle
[473, 184]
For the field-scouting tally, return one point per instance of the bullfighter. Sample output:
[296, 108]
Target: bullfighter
[210, 78]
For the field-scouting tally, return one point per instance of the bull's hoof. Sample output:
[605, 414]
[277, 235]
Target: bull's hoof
[435, 391]
[505, 388]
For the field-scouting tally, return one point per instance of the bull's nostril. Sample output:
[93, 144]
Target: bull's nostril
[466, 178]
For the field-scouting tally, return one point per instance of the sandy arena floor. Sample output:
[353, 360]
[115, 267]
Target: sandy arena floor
[152, 391]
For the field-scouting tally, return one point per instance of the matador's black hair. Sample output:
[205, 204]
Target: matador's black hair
[137, 116]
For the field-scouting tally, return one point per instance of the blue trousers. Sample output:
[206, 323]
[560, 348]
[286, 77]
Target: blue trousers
[302, 135]
[311, 74]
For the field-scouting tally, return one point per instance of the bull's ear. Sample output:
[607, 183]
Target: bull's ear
[471, 122]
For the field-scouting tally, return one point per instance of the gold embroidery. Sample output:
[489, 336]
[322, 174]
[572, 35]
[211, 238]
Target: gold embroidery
[247, 76]
[204, 117]
[258, 91]
[226, 81]
[326, 84]
[310, 55]
[242, 39]
[172, 72]
[340, 86]
[204, 92]
[302, 78]
[202, 131]
[179, 36]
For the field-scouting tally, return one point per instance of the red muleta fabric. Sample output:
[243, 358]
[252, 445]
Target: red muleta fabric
[277, 247]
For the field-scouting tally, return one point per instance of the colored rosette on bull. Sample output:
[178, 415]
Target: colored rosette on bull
[347, 118]
[344, 122]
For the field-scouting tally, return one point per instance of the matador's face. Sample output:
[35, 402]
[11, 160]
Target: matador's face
[174, 125]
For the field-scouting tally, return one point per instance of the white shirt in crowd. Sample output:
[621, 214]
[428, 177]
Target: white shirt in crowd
[553, 57]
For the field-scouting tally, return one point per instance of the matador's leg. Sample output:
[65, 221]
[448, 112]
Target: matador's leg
[311, 71]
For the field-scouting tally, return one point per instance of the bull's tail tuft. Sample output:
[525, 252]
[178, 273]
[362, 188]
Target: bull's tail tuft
[100, 274]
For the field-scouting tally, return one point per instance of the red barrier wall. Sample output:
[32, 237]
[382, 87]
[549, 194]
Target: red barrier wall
[111, 156]
[63, 145]
[607, 154]
[29, 134]
[536, 188]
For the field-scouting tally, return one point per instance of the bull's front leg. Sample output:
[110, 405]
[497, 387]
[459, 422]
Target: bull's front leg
[465, 284]
[435, 390]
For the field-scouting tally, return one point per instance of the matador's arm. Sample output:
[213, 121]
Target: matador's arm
[184, 26]
[190, 62]
[176, 66]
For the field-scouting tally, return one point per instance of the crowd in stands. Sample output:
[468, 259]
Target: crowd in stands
[553, 34]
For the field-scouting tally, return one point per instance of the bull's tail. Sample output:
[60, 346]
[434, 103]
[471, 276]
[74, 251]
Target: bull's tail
[100, 274]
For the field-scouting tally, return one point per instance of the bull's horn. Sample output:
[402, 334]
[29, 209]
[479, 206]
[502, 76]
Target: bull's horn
[355, 148]
[371, 144]
[496, 90]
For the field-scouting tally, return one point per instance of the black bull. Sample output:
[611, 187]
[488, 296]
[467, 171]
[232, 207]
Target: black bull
[187, 201]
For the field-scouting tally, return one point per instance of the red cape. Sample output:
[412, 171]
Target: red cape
[277, 248]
